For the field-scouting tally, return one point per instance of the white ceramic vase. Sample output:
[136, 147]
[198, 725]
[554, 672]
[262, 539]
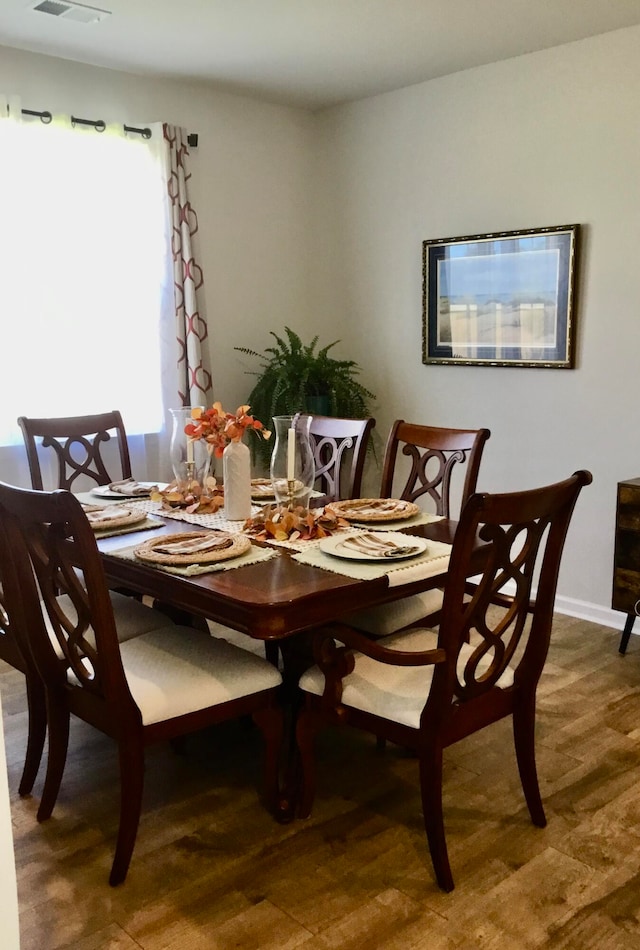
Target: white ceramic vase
[236, 476]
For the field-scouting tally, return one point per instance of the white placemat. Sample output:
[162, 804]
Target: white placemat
[435, 560]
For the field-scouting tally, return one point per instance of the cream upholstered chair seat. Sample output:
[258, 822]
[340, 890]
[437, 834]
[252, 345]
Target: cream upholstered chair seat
[176, 670]
[398, 693]
[172, 671]
[390, 618]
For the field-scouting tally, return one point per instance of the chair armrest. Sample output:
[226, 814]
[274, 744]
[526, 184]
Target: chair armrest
[354, 640]
[333, 648]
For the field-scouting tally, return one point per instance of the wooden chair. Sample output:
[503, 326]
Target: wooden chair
[77, 442]
[435, 456]
[163, 684]
[339, 450]
[426, 690]
[132, 619]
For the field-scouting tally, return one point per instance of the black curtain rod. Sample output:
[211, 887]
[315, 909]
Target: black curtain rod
[99, 125]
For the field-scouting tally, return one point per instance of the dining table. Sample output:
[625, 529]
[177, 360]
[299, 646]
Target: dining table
[277, 592]
[272, 599]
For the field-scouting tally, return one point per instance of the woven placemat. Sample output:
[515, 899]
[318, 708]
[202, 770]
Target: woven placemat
[254, 555]
[149, 524]
[192, 547]
[371, 510]
[112, 516]
[435, 560]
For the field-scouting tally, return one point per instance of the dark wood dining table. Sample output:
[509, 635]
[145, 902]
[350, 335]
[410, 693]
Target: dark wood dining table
[271, 600]
[279, 601]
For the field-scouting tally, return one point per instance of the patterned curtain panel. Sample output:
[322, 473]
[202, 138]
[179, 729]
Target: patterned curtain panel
[194, 373]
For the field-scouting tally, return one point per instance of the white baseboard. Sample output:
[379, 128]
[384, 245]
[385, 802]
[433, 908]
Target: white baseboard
[593, 612]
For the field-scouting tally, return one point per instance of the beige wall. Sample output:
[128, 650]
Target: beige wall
[546, 139]
[318, 220]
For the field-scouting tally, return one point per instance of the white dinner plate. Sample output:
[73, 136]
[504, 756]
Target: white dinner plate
[103, 491]
[335, 545]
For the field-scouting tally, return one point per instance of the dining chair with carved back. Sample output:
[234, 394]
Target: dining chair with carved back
[132, 617]
[435, 456]
[427, 689]
[77, 443]
[160, 685]
[339, 451]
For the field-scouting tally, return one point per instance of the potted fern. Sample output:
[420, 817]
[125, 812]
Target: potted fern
[297, 377]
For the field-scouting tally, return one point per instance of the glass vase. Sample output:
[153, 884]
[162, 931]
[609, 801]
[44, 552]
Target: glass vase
[292, 464]
[190, 459]
[236, 477]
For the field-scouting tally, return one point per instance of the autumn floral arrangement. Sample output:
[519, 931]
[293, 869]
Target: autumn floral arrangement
[218, 428]
[191, 496]
[280, 523]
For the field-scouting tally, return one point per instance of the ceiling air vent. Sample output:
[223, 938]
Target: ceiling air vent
[70, 11]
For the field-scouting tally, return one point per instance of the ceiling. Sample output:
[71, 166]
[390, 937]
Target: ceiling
[310, 53]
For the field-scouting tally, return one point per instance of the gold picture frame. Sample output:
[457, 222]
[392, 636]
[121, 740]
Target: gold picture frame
[501, 299]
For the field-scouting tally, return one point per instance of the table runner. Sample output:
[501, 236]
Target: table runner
[435, 560]
[253, 556]
[301, 546]
[218, 521]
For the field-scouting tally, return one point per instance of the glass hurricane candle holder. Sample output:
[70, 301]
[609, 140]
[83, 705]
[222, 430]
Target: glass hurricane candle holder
[292, 464]
[190, 458]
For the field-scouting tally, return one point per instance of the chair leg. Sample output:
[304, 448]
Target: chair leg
[131, 756]
[270, 723]
[58, 726]
[431, 788]
[37, 711]
[524, 721]
[306, 729]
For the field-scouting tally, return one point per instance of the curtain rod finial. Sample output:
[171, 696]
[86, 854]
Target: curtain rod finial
[192, 139]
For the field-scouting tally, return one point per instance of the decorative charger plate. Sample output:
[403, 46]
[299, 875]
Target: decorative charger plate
[113, 516]
[373, 509]
[367, 546]
[138, 490]
[262, 488]
[193, 547]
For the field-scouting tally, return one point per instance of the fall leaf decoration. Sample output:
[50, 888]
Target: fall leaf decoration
[218, 427]
[279, 523]
[191, 496]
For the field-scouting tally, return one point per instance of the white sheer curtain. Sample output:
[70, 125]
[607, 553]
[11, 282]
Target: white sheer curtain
[86, 300]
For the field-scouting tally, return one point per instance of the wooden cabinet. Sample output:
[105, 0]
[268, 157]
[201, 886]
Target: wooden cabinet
[626, 567]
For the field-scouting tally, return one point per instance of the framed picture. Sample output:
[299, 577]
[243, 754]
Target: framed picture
[505, 299]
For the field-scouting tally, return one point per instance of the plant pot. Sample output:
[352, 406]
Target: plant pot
[319, 405]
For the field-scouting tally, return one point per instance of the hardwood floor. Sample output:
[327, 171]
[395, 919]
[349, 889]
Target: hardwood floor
[212, 870]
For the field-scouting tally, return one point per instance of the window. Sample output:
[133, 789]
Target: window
[83, 254]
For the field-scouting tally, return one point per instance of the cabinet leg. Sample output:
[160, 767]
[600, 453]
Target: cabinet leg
[626, 633]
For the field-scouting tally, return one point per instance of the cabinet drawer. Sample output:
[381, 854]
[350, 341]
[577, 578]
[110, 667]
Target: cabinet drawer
[626, 590]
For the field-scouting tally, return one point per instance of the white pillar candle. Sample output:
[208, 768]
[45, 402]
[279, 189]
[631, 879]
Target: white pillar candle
[189, 451]
[291, 454]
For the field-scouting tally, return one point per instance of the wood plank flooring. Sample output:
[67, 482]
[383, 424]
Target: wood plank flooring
[212, 870]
